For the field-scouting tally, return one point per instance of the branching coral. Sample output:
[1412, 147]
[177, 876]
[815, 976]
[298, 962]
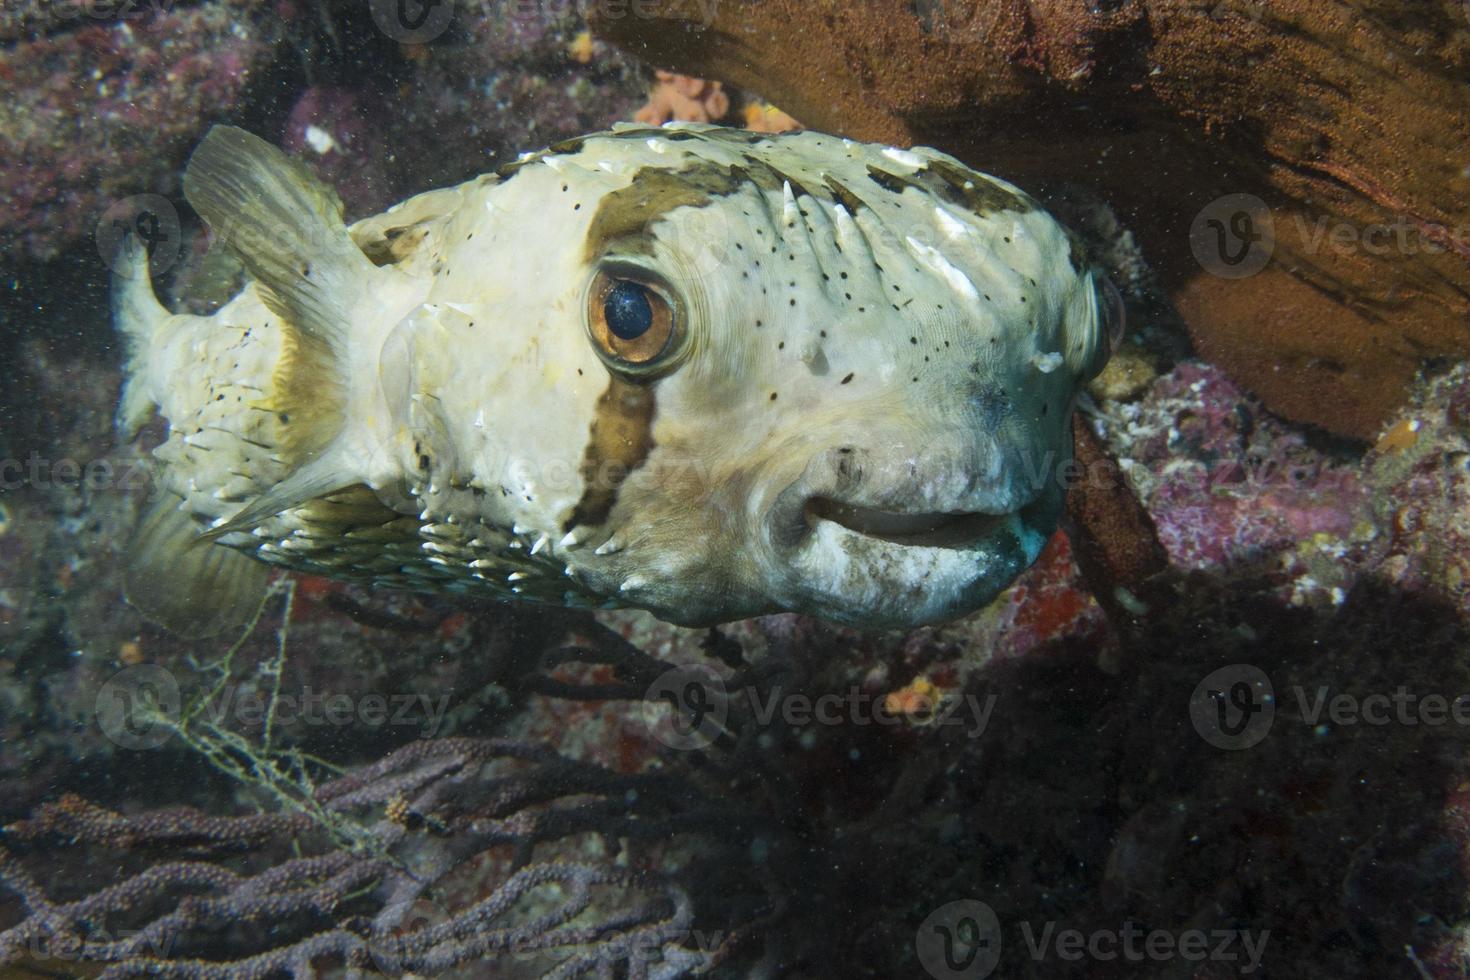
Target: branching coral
[423, 811]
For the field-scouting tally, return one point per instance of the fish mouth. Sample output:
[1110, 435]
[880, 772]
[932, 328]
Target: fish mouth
[927, 529]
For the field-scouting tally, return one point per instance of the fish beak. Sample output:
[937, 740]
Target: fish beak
[922, 548]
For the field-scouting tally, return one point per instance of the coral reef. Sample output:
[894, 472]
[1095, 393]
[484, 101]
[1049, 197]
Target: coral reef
[347, 879]
[398, 784]
[108, 106]
[108, 99]
[682, 98]
[1328, 141]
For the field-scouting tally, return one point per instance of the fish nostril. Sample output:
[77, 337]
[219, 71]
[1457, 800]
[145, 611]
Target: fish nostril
[991, 404]
[848, 464]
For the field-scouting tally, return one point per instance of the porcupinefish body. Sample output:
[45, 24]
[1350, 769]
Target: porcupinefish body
[704, 372]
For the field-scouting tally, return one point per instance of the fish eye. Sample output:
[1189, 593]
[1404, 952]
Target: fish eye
[627, 310]
[632, 321]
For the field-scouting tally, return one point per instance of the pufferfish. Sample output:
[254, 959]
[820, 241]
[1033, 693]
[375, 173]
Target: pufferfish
[700, 371]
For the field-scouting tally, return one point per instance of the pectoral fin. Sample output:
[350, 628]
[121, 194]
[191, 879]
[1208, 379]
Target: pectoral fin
[185, 583]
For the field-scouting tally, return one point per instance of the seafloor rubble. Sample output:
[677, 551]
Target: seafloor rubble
[404, 784]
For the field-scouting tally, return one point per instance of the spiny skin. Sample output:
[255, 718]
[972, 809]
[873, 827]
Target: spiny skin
[869, 338]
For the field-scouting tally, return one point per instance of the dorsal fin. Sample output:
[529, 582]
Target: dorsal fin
[286, 226]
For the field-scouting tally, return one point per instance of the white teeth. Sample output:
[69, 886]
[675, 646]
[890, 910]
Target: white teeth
[540, 545]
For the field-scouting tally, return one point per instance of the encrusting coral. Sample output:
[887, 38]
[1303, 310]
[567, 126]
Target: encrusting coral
[684, 99]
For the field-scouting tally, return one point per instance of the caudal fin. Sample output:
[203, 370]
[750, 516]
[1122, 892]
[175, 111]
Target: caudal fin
[138, 314]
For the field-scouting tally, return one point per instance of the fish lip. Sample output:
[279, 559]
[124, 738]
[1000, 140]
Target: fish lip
[956, 529]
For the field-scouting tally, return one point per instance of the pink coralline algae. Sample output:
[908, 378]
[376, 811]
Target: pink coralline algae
[1226, 483]
[1235, 491]
[108, 107]
[105, 100]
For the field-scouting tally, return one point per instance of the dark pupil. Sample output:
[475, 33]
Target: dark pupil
[627, 310]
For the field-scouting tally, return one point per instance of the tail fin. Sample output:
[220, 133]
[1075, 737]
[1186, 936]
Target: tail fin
[138, 315]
